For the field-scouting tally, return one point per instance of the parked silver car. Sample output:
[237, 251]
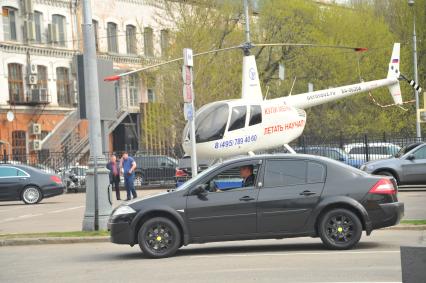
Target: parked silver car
[408, 166]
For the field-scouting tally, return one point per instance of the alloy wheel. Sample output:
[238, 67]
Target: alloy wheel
[31, 195]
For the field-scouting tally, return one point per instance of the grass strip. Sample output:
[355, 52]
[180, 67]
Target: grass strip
[56, 234]
[414, 222]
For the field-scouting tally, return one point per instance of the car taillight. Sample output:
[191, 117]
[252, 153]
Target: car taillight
[56, 179]
[383, 187]
[180, 173]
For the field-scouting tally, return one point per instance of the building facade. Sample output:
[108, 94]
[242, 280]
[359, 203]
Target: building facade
[38, 42]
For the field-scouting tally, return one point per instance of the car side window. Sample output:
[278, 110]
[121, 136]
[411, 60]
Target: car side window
[281, 173]
[21, 173]
[316, 173]
[357, 150]
[231, 179]
[420, 153]
[8, 172]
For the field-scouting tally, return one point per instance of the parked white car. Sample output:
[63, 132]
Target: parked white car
[376, 150]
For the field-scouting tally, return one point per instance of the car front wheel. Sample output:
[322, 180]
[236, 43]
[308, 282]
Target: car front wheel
[159, 237]
[31, 195]
[340, 229]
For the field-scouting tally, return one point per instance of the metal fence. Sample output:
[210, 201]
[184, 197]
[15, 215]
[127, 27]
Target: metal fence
[169, 167]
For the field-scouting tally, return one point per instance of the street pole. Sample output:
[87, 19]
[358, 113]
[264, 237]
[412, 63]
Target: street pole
[98, 207]
[416, 76]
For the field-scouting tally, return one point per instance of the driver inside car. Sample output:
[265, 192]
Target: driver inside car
[246, 173]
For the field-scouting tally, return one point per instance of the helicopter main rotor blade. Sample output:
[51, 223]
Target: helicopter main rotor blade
[356, 49]
[117, 77]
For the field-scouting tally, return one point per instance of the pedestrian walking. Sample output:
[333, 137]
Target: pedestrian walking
[114, 175]
[128, 166]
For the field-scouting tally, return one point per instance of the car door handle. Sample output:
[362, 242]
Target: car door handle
[307, 193]
[246, 198]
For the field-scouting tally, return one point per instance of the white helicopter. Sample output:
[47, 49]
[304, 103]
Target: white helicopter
[241, 126]
[252, 123]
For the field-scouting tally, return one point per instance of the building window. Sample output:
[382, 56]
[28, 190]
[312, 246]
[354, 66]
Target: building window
[39, 93]
[133, 90]
[148, 42]
[151, 95]
[38, 22]
[164, 42]
[19, 146]
[63, 86]
[131, 39]
[16, 83]
[9, 23]
[95, 26]
[112, 37]
[59, 22]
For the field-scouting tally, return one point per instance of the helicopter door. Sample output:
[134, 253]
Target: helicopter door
[210, 123]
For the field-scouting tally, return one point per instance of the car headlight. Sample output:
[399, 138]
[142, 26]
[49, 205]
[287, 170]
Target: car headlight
[122, 210]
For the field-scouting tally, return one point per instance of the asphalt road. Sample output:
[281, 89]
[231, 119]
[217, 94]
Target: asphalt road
[376, 259]
[65, 212]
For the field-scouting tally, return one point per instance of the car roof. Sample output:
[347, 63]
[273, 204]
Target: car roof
[279, 156]
[360, 144]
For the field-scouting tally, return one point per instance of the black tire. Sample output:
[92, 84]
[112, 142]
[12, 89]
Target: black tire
[159, 237]
[31, 195]
[340, 229]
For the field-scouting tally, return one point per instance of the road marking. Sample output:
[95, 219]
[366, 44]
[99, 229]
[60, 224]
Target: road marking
[292, 254]
[20, 217]
[66, 209]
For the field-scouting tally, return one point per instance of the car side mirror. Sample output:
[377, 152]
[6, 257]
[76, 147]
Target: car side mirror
[411, 157]
[199, 190]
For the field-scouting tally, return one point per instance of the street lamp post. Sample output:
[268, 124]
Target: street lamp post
[98, 205]
[416, 76]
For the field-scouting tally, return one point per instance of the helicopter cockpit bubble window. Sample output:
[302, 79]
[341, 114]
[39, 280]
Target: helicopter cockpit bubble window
[238, 118]
[210, 124]
[255, 115]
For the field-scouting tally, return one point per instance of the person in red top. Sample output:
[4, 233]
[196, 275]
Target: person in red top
[114, 174]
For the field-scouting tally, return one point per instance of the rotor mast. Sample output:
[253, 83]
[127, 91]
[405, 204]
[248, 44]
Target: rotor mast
[247, 45]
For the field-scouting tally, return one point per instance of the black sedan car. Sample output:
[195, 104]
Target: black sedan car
[290, 195]
[31, 185]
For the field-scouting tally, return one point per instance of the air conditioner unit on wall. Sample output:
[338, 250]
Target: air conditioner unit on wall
[30, 31]
[32, 79]
[35, 129]
[33, 69]
[35, 145]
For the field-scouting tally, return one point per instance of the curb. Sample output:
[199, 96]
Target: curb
[405, 227]
[52, 240]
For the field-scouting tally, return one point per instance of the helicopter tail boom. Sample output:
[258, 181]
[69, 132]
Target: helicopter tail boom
[310, 99]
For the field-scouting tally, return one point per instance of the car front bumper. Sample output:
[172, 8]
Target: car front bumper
[387, 214]
[121, 232]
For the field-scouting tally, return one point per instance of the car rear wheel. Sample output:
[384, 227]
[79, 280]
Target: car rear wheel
[31, 195]
[340, 229]
[159, 237]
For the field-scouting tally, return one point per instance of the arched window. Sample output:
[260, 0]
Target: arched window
[9, 23]
[149, 42]
[131, 39]
[164, 42]
[112, 37]
[16, 83]
[38, 22]
[58, 32]
[133, 90]
[63, 86]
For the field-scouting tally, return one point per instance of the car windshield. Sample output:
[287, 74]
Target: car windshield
[191, 181]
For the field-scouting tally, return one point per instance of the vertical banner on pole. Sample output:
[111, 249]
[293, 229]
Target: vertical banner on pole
[188, 98]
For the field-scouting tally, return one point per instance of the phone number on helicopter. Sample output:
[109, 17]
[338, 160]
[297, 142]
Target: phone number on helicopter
[236, 141]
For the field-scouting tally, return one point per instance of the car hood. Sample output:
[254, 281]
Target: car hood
[381, 162]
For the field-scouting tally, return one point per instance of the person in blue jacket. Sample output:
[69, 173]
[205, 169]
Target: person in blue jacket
[128, 166]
